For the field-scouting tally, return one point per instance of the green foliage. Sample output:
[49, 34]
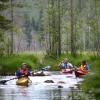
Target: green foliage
[3, 7]
[92, 83]
[5, 23]
[75, 60]
[12, 63]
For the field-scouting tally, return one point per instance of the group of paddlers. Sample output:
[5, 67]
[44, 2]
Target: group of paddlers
[64, 65]
[67, 67]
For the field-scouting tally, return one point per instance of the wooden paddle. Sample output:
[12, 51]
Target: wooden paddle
[4, 81]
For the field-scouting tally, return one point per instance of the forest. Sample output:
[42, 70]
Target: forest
[52, 26]
[43, 32]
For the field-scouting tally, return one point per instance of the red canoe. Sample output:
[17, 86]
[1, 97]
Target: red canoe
[67, 71]
[79, 73]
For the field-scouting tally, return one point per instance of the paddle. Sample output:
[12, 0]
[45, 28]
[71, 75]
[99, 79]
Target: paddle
[4, 81]
[46, 68]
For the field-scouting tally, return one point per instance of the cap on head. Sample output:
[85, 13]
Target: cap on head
[66, 59]
[84, 62]
[23, 63]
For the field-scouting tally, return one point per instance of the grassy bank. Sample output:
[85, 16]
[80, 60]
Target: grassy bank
[12, 63]
[74, 60]
[38, 60]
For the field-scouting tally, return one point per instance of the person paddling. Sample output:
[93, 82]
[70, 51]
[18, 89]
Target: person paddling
[84, 67]
[65, 64]
[23, 71]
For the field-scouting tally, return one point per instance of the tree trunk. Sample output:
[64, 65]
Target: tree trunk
[12, 35]
[72, 28]
[59, 28]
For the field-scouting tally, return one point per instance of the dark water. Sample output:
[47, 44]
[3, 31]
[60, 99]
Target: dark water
[39, 90]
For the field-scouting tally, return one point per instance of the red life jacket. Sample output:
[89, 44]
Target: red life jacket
[23, 72]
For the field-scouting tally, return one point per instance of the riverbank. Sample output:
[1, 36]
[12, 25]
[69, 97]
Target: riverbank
[11, 63]
[37, 61]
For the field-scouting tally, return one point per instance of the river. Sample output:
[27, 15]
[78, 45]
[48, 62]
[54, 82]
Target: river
[38, 89]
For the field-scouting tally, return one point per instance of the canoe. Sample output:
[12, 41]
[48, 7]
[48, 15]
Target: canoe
[67, 71]
[23, 81]
[40, 73]
[79, 73]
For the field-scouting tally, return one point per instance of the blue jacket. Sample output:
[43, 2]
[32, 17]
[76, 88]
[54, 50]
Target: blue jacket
[64, 65]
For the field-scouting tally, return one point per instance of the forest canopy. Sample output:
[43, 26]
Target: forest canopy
[53, 26]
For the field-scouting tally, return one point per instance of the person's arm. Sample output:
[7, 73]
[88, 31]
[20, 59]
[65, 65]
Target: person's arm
[60, 64]
[18, 73]
[29, 73]
[81, 68]
[70, 65]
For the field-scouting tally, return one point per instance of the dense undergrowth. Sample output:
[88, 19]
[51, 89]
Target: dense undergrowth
[36, 61]
[13, 62]
[75, 60]
[91, 83]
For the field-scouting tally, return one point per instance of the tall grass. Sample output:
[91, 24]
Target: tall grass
[38, 60]
[12, 63]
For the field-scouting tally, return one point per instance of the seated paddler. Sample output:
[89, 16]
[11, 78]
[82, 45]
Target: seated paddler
[23, 71]
[84, 67]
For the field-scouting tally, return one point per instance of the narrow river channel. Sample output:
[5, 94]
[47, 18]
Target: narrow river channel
[39, 90]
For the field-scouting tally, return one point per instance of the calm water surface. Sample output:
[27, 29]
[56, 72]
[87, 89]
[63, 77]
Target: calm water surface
[39, 90]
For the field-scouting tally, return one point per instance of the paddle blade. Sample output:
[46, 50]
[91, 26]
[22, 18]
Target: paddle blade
[3, 81]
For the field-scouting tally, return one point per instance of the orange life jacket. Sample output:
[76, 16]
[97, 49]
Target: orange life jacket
[23, 72]
[83, 68]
